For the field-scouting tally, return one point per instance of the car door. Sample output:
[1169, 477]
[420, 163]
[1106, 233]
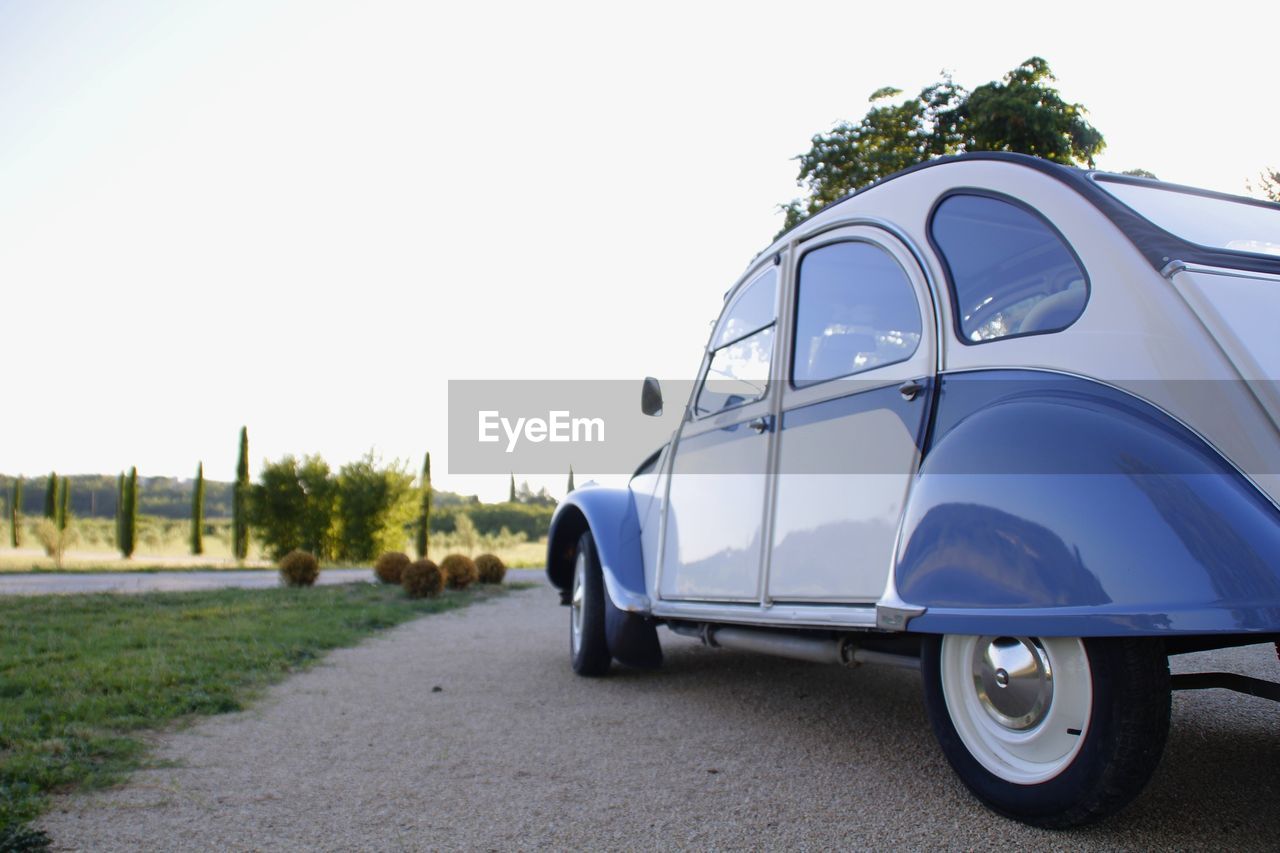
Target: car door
[853, 416]
[713, 533]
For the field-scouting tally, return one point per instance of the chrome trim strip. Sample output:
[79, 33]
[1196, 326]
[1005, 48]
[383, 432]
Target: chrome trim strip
[1174, 267]
[777, 614]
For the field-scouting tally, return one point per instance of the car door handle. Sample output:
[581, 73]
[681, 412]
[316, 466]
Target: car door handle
[910, 389]
[759, 424]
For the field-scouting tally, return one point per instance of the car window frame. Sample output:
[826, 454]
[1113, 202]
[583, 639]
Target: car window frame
[949, 277]
[795, 313]
[774, 267]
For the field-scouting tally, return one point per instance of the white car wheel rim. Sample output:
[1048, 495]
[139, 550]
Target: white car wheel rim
[576, 603]
[1020, 705]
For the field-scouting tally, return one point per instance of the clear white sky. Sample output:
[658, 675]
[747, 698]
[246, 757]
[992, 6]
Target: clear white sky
[307, 217]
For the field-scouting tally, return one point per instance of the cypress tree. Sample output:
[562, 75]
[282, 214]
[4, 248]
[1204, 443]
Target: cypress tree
[120, 510]
[511, 498]
[64, 502]
[51, 497]
[129, 515]
[15, 515]
[570, 480]
[240, 500]
[197, 512]
[424, 519]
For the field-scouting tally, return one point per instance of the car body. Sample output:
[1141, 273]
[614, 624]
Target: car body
[1008, 421]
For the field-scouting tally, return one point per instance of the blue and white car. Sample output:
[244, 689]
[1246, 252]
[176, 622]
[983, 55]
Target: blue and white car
[1012, 423]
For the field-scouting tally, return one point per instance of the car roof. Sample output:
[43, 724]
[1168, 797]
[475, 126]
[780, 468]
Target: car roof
[1157, 245]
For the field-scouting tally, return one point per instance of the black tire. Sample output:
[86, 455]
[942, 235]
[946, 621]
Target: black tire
[588, 647]
[1120, 748]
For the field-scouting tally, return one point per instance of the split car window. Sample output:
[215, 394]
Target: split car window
[742, 348]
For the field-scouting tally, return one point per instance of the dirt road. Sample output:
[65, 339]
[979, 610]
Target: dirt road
[716, 750]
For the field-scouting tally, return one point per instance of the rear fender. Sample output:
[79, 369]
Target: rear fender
[1049, 505]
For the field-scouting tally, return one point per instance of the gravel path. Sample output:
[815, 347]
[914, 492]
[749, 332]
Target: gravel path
[716, 750]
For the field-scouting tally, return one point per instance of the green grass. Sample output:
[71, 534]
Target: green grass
[81, 676]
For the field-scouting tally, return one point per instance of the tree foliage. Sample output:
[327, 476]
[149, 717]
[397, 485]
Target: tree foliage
[570, 488]
[51, 497]
[129, 515]
[423, 537]
[375, 503]
[15, 515]
[240, 500]
[1022, 113]
[197, 512]
[1268, 185]
[64, 503]
[292, 507]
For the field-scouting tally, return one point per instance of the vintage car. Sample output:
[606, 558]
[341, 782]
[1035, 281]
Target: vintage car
[1007, 422]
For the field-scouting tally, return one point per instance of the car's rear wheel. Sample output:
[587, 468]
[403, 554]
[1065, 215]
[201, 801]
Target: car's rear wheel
[588, 648]
[1051, 731]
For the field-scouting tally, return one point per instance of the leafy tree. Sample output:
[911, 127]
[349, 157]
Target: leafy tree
[51, 497]
[375, 503]
[197, 512]
[1021, 113]
[120, 511]
[1268, 185]
[129, 515]
[292, 506]
[15, 515]
[240, 501]
[424, 517]
[1140, 173]
[512, 495]
[526, 495]
[64, 503]
[570, 489]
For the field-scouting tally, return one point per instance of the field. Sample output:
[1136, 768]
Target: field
[84, 675]
[163, 543]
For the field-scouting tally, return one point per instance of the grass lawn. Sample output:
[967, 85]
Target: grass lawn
[82, 675]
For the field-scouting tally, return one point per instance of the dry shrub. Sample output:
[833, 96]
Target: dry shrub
[422, 579]
[299, 568]
[490, 569]
[459, 571]
[390, 566]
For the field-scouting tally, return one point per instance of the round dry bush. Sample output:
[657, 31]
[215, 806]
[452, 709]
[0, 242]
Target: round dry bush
[459, 571]
[299, 568]
[422, 579]
[490, 569]
[390, 565]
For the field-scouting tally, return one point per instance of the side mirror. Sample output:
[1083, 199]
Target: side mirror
[651, 397]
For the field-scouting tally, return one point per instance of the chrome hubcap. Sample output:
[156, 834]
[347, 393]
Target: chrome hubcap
[576, 603]
[1013, 679]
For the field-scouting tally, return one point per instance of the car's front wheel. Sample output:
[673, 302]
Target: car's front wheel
[588, 646]
[1051, 731]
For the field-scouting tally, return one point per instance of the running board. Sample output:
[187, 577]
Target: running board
[1226, 681]
[833, 650]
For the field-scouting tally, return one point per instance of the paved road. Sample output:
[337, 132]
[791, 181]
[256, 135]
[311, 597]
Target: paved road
[71, 582]
[716, 750]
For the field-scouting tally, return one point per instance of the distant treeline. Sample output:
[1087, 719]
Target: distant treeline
[94, 496]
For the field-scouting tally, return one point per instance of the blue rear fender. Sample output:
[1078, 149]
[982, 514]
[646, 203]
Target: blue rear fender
[1055, 506]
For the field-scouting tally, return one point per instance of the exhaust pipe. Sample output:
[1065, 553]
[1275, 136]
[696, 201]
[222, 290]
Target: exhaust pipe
[838, 650]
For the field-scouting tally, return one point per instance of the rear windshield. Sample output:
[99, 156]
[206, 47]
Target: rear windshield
[1214, 221]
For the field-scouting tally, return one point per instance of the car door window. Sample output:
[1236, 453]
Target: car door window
[1011, 273]
[742, 349]
[855, 310]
